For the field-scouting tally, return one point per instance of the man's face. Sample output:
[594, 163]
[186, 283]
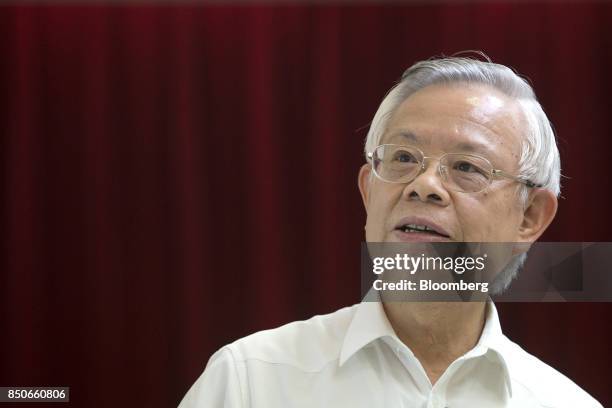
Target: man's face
[458, 118]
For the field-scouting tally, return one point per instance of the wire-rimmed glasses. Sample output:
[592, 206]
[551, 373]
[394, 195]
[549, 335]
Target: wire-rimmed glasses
[466, 173]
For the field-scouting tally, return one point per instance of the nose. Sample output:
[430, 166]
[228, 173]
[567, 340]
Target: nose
[428, 186]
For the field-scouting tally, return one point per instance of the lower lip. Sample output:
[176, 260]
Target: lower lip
[418, 237]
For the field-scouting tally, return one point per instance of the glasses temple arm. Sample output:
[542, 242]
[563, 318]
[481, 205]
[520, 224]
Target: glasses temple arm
[521, 180]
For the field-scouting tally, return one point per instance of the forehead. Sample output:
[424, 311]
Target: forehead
[460, 117]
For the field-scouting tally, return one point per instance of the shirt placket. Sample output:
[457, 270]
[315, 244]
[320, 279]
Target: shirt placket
[436, 394]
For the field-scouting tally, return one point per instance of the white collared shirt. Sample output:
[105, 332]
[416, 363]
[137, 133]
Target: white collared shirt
[353, 358]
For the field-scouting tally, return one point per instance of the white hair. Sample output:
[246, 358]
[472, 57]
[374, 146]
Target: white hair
[539, 160]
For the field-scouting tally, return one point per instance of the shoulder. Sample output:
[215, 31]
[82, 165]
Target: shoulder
[307, 345]
[540, 381]
[301, 347]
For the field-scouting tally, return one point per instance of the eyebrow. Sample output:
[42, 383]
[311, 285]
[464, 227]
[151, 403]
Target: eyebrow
[462, 146]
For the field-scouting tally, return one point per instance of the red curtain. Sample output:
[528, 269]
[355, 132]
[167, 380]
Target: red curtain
[176, 177]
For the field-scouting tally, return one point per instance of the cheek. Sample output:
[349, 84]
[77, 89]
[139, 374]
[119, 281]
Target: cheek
[488, 219]
[472, 217]
[380, 206]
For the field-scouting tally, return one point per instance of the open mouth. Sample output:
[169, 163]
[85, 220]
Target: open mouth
[421, 232]
[415, 228]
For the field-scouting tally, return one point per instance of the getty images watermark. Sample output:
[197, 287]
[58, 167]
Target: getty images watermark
[412, 264]
[475, 271]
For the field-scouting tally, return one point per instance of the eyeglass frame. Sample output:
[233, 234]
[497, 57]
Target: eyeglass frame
[494, 172]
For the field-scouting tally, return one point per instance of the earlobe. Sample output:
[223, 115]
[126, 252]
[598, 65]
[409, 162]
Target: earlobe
[539, 213]
[363, 181]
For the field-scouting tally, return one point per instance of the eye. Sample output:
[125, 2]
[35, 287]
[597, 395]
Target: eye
[467, 167]
[404, 157]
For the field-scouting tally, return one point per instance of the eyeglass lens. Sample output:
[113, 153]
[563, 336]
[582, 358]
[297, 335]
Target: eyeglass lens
[459, 172]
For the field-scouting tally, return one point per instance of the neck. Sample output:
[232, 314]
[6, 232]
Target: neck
[438, 333]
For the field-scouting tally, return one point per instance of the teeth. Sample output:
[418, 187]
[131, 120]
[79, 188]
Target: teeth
[415, 227]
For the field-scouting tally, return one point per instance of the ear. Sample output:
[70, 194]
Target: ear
[538, 214]
[363, 180]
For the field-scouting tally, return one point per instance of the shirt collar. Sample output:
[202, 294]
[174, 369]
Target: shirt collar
[370, 323]
[493, 343]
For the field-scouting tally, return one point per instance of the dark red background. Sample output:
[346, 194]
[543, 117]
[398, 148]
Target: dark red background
[176, 177]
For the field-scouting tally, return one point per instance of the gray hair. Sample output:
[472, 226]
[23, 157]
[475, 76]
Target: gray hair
[539, 160]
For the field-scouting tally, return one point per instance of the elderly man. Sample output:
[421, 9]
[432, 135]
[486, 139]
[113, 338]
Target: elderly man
[452, 118]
